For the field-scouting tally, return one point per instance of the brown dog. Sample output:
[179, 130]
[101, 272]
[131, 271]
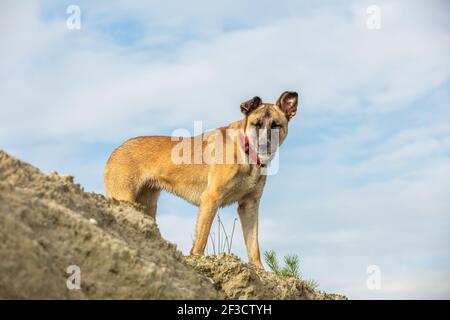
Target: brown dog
[141, 167]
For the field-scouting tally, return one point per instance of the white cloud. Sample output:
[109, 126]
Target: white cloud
[81, 85]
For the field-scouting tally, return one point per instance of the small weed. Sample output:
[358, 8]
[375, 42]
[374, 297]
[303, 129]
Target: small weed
[220, 241]
[291, 268]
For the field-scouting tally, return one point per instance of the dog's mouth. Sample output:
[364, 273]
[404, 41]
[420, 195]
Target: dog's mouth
[265, 154]
[263, 147]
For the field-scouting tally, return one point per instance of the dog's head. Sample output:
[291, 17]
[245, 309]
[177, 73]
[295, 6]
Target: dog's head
[267, 123]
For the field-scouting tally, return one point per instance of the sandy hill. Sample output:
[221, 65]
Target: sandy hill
[48, 223]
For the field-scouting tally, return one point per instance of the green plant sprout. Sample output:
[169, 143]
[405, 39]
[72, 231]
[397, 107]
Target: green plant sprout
[291, 268]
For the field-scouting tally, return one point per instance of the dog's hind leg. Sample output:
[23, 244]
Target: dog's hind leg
[149, 198]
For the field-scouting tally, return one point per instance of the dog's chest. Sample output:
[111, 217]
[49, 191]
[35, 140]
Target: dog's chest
[245, 183]
[250, 180]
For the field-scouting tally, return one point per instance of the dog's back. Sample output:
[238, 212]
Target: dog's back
[144, 165]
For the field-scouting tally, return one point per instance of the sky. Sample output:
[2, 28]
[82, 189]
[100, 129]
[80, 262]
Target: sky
[364, 175]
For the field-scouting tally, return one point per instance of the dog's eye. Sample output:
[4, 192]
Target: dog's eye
[257, 124]
[276, 125]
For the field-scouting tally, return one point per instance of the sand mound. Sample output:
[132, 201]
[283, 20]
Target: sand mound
[237, 280]
[48, 223]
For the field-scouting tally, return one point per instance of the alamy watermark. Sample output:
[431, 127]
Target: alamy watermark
[373, 281]
[373, 21]
[73, 282]
[73, 22]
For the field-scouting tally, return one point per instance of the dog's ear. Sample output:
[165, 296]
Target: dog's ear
[250, 105]
[288, 103]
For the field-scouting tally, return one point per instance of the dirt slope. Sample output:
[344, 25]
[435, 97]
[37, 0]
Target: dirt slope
[48, 223]
[238, 280]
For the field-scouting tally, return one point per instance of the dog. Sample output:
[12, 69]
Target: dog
[141, 167]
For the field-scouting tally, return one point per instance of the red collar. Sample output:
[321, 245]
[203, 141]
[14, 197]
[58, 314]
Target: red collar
[245, 144]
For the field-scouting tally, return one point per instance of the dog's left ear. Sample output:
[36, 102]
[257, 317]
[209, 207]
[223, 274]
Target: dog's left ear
[288, 103]
[250, 105]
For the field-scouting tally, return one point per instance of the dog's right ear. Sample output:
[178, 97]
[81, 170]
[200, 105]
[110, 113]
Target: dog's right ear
[288, 103]
[250, 105]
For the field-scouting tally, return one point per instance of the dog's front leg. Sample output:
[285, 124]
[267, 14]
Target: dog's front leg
[248, 214]
[209, 204]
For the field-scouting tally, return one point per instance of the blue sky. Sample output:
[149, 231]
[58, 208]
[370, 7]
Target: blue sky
[365, 172]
